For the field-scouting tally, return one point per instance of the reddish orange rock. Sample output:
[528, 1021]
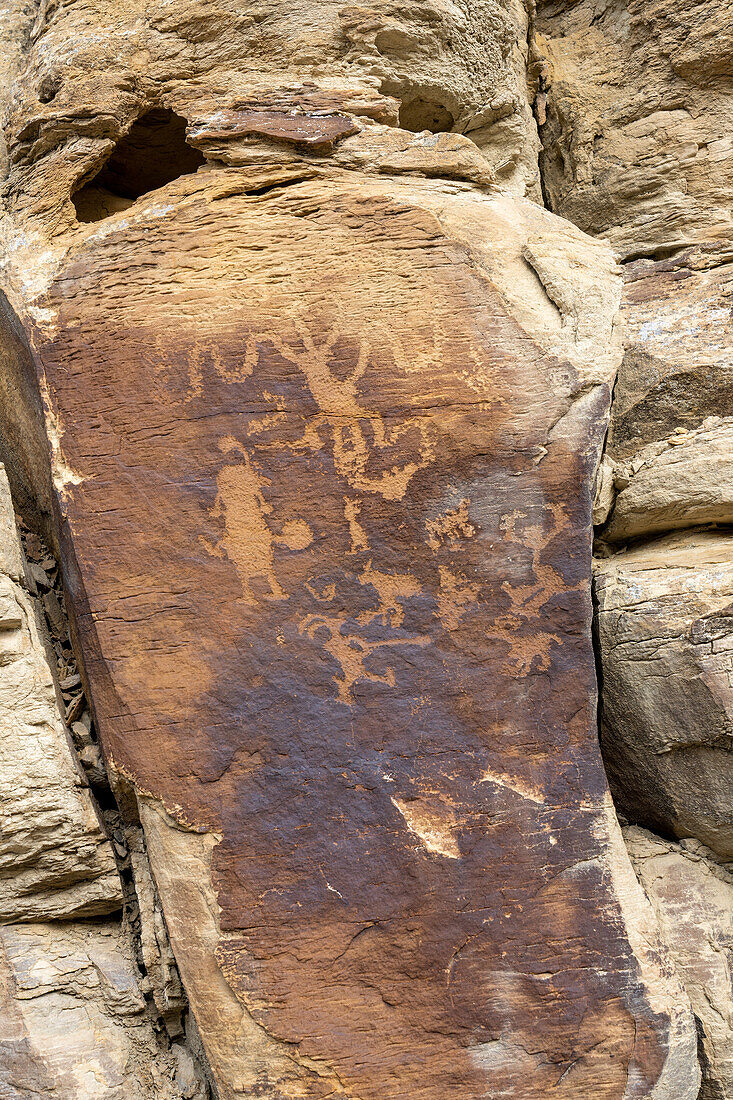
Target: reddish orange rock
[319, 131]
[319, 436]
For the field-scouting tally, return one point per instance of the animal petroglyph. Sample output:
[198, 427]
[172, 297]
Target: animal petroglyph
[351, 651]
[393, 589]
[350, 647]
[455, 596]
[529, 650]
[206, 354]
[450, 527]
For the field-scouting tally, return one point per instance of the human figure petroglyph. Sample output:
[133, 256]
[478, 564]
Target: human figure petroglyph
[248, 542]
[454, 597]
[207, 353]
[357, 534]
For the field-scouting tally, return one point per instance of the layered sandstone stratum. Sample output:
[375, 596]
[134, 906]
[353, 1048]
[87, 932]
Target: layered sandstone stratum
[330, 334]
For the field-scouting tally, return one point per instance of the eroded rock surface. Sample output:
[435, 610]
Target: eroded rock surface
[73, 1018]
[55, 858]
[84, 78]
[635, 120]
[74, 1022]
[664, 625]
[692, 895]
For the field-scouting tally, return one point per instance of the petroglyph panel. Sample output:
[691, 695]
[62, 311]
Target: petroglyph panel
[329, 555]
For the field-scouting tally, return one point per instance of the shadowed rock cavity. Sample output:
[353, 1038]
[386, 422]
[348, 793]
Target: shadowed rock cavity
[424, 113]
[154, 152]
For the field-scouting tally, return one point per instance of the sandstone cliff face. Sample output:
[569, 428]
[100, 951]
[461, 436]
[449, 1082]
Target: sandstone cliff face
[633, 116]
[664, 631]
[692, 895]
[660, 185]
[310, 393]
[636, 145]
[338, 511]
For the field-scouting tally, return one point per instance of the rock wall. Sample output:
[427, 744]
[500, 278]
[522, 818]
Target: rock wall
[309, 394]
[633, 116]
[692, 894]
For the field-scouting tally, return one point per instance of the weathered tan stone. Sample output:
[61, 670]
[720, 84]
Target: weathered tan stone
[12, 564]
[89, 72]
[634, 110]
[73, 1020]
[685, 480]
[74, 1023]
[54, 855]
[157, 956]
[244, 1057]
[678, 365]
[668, 455]
[692, 895]
[666, 645]
[635, 113]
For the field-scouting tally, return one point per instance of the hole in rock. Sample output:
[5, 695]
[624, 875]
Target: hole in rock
[419, 114]
[153, 153]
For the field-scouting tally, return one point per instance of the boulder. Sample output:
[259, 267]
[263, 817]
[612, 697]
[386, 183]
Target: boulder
[328, 558]
[666, 647]
[669, 440]
[74, 1022]
[685, 480]
[692, 895]
[677, 369]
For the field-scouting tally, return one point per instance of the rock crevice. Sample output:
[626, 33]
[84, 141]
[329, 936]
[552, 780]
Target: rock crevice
[90, 1006]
